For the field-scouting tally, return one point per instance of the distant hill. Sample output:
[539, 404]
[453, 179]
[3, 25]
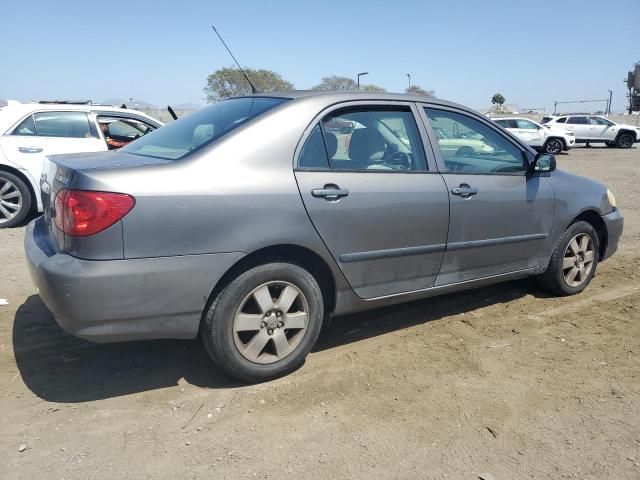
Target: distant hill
[136, 104]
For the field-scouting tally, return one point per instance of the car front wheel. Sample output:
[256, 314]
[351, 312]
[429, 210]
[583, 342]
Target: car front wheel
[553, 146]
[15, 200]
[264, 322]
[625, 140]
[573, 261]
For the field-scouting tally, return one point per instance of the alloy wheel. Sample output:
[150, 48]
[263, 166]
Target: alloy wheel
[578, 260]
[625, 141]
[271, 322]
[554, 146]
[10, 200]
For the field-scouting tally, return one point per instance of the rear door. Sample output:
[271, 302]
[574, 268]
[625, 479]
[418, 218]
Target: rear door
[501, 217]
[50, 133]
[374, 197]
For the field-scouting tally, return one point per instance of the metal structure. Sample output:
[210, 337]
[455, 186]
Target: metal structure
[633, 84]
[359, 75]
[607, 108]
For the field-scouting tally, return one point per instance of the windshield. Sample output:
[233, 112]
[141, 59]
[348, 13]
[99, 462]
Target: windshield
[185, 136]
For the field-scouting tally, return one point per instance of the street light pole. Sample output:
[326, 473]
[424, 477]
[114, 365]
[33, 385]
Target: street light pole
[609, 104]
[359, 75]
[409, 77]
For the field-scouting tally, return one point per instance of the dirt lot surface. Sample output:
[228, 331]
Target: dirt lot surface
[497, 383]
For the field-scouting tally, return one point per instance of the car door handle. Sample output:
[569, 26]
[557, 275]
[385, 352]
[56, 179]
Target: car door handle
[464, 191]
[330, 192]
[29, 149]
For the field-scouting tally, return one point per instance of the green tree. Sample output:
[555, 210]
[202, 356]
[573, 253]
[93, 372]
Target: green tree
[417, 90]
[498, 99]
[336, 82]
[229, 82]
[371, 88]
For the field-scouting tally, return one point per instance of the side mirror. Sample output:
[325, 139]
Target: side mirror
[543, 163]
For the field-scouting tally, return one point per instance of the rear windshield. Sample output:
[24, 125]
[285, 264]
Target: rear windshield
[185, 136]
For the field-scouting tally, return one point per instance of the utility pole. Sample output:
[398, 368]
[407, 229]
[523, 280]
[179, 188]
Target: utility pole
[609, 104]
[359, 75]
[409, 77]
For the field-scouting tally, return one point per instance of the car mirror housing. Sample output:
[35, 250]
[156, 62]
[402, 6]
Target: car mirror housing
[543, 163]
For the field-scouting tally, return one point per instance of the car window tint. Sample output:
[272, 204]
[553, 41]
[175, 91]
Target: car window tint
[373, 139]
[578, 121]
[526, 124]
[62, 124]
[469, 146]
[562, 120]
[503, 123]
[193, 132]
[314, 152]
[27, 127]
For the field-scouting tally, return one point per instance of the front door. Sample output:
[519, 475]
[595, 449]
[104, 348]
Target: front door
[501, 218]
[531, 133]
[374, 201]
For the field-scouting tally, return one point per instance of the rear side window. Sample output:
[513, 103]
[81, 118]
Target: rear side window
[507, 123]
[578, 121]
[562, 120]
[191, 133]
[62, 124]
[314, 152]
[26, 128]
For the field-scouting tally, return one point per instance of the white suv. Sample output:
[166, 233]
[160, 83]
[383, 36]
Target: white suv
[31, 131]
[596, 129]
[549, 139]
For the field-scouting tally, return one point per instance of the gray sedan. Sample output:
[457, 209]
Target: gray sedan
[252, 221]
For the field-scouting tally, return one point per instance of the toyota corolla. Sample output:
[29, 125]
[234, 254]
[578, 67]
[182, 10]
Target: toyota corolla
[251, 221]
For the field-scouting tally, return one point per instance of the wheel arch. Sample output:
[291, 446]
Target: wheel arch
[26, 179]
[625, 130]
[557, 137]
[291, 253]
[595, 220]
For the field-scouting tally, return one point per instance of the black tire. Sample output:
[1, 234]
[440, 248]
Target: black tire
[24, 200]
[625, 140]
[553, 280]
[553, 146]
[611, 144]
[217, 330]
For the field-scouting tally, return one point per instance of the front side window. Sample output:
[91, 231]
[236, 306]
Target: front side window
[578, 121]
[120, 131]
[373, 139]
[507, 123]
[469, 146]
[603, 122]
[62, 124]
[526, 124]
[191, 133]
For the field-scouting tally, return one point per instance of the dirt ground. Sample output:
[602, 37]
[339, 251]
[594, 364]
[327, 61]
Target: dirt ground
[497, 383]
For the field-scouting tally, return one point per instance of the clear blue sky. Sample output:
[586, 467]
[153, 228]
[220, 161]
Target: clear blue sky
[533, 52]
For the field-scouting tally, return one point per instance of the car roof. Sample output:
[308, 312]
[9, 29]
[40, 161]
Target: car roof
[330, 96]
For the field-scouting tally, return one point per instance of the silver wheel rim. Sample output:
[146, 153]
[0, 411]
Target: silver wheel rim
[554, 146]
[10, 200]
[271, 322]
[578, 260]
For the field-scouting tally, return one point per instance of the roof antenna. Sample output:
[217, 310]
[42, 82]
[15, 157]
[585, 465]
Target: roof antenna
[253, 89]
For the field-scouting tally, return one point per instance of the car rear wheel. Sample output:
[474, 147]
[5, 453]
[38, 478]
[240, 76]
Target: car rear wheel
[264, 322]
[573, 262]
[15, 200]
[625, 140]
[553, 146]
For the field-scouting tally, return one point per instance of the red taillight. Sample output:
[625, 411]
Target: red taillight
[81, 213]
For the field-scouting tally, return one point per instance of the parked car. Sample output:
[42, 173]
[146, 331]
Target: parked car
[252, 236]
[461, 145]
[596, 129]
[550, 139]
[31, 131]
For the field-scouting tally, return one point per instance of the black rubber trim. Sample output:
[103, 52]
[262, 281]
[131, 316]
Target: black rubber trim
[495, 241]
[390, 253]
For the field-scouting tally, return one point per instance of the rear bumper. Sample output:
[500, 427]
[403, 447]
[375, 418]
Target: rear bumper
[614, 222]
[119, 300]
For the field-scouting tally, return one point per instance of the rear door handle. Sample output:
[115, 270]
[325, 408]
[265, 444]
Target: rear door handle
[464, 191]
[330, 192]
[29, 149]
